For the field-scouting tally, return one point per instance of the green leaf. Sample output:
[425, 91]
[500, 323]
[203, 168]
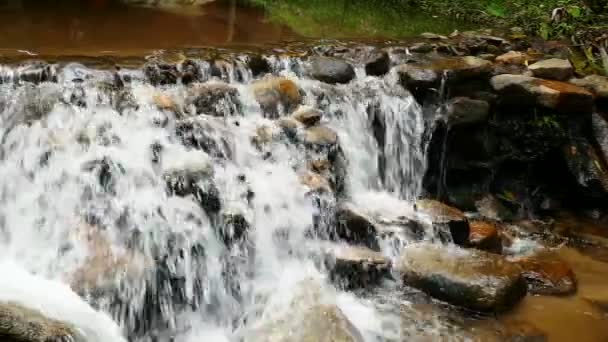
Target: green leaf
[545, 31]
[574, 11]
[496, 10]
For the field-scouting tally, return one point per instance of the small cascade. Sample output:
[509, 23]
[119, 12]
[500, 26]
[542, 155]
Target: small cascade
[179, 208]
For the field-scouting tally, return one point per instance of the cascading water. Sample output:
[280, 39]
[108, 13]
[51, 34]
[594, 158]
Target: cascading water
[87, 160]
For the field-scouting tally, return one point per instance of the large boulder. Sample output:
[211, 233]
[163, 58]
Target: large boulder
[377, 63]
[277, 95]
[356, 266]
[599, 125]
[464, 110]
[471, 278]
[586, 167]
[331, 70]
[418, 80]
[307, 116]
[595, 83]
[21, 324]
[554, 69]
[356, 227]
[449, 223]
[213, 98]
[547, 274]
[320, 137]
[520, 90]
[462, 68]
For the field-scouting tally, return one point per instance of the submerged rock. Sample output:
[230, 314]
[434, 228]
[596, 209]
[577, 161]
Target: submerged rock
[331, 70]
[491, 207]
[161, 73]
[586, 166]
[195, 181]
[471, 278]
[37, 72]
[599, 125]
[21, 324]
[554, 69]
[519, 90]
[276, 96]
[547, 274]
[450, 223]
[214, 98]
[356, 267]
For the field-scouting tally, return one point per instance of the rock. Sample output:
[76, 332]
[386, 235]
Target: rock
[377, 64]
[307, 116]
[356, 227]
[276, 96]
[599, 125]
[320, 136]
[484, 235]
[36, 72]
[258, 65]
[421, 47]
[161, 73]
[586, 166]
[215, 99]
[490, 207]
[418, 80]
[356, 267]
[433, 36]
[547, 274]
[233, 227]
[599, 300]
[315, 182]
[463, 111]
[197, 181]
[320, 165]
[331, 70]
[165, 102]
[554, 69]
[190, 72]
[522, 90]
[513, 57]
[594, 83]
[21, 324]
[462, 68]
[471, 278]
[450, 223]
[289, 127]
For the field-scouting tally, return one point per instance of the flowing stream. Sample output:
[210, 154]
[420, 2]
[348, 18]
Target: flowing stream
[85, 209]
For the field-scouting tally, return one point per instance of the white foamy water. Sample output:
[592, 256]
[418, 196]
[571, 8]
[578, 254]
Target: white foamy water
[85, 207]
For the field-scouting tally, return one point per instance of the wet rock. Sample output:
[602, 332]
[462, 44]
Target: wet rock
[471, 278]
[196, 180]
[421, 47]
[21, 324]
[599, 125]
[356, 267]
[320, 165]
[214, 98]
[378, 64]
[450, 223]
[519, 90]
[554, 69]
[165, 102]
[233, 227]
[586, 166]
[418, 80]
[331, 70]
[258, 65]
[190, 72]
[207, 134]
[315, 182]
[320, 137]
[547, 274]
[464, 110]
[37, 72]
[461, 68]
[433, 36]
[484, 235]
[161, 73]
[513, 57]
[276, 96]
[490, 207]
[107, 172]
[307, 116]
[594, 83]
[356, 227]
[33, 103]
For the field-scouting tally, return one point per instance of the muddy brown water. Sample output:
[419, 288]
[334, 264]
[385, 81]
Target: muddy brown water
[110, 27]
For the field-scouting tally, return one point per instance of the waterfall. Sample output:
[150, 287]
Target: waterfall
[87, 160]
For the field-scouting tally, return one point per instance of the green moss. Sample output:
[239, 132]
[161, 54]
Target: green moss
[355, 18]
